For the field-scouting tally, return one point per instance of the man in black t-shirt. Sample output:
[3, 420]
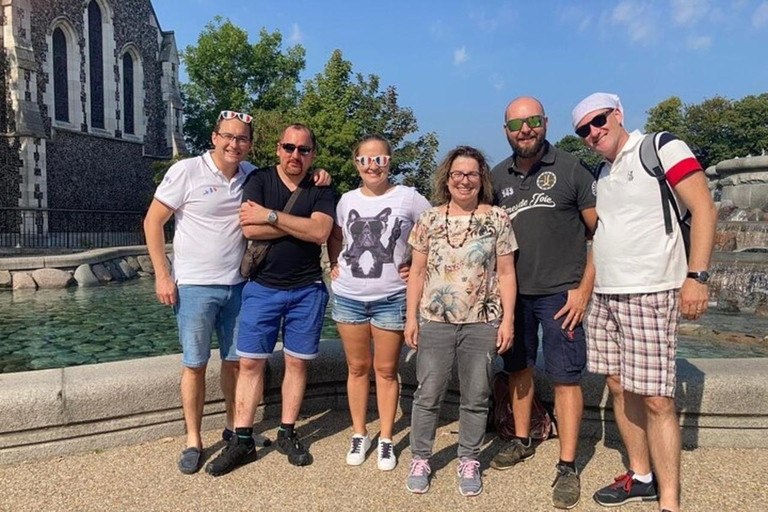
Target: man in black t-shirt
[288, 290]
[550, 198]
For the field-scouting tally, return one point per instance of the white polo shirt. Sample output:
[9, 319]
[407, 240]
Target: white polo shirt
[631, 250]
[208, 244]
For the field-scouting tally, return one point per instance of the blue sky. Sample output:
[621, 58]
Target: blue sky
[457, 64]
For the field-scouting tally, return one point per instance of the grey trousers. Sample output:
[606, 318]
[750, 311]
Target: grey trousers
[440, 345]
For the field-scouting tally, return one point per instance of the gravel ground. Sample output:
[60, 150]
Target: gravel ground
[145, 478]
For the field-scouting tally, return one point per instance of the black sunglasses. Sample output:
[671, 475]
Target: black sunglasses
[597, 121]
[290, 148]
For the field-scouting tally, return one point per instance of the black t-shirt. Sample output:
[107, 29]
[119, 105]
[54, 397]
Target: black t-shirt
[545, 208]
[291, 262]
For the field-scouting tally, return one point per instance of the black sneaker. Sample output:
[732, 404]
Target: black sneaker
[233, 455]
[292, 447]
[260, 440]
[626, 489]
[514, 453]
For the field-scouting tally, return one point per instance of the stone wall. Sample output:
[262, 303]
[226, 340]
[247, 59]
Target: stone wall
[97, 173]
[9, 146]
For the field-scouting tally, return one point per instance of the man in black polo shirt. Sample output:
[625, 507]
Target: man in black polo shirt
[550, 198]
[288, 290]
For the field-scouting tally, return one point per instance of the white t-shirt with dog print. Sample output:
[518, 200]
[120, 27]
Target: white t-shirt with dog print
[376, 230]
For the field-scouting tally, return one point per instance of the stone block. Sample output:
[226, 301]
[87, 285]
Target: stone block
[85, 277]
[131, 260]
[30, 401]
[5, 279]
[23, 281]
[113, 269]
[51, 278]
[126, 269]
[103, 275]
[146, 264]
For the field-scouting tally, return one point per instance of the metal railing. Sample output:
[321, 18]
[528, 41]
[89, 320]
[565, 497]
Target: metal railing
[25, 228]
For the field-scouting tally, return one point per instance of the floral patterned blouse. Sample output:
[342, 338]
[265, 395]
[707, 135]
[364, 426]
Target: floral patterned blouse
[461, 285]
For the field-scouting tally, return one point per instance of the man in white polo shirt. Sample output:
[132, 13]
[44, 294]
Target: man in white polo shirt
[204, 194]
[643, 283]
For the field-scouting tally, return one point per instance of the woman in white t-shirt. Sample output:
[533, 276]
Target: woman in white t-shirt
[366, 247]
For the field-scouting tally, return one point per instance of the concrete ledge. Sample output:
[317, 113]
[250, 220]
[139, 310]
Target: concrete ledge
[47, 413]
[74, 260]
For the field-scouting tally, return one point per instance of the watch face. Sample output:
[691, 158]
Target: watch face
[272, 217]
[703, 276]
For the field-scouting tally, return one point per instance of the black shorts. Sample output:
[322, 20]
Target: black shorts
[565, 352]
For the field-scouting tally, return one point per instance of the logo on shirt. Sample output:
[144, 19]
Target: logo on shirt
[507, 192]
[210, 190]
[539, 200]
[594, 188]
[546, 181]
[367, 235]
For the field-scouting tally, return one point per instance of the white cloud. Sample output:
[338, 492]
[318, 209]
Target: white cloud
[638, 18]
[297, 36]
[497, 81]
[698, 42]
[689, 12]
[760, 16]
[460, 56]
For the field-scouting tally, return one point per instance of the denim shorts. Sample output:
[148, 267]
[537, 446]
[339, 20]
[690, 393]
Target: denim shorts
[565, 352]
[300, 311]
[201, 310]
[387, 313]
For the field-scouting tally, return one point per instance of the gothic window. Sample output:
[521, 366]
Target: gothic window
[96, 66]
[128, 93]
[60, 83]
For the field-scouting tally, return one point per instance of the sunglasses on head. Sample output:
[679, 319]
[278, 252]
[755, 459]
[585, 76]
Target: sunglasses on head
[231, 114]
[365, 161]
[515, 125]
[290, 148]
[597, 121]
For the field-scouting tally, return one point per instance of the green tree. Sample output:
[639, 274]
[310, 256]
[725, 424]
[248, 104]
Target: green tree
[341, 107]
[669, 115]
[573, 144]
[710, 130]
[227, 72]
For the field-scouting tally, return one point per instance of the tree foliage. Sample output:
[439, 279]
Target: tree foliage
[717, 128]
[227, 72]
[573, 144]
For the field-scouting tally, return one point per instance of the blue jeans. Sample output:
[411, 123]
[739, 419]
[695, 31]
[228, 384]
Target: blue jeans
[387, 313]
[201, 310]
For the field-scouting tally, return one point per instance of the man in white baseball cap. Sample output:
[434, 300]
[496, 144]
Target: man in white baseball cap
[643, 284]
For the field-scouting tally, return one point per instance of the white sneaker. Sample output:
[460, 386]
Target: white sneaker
[387, 458]
[358, 447]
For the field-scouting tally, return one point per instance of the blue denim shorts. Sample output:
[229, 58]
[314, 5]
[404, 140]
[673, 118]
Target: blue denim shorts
[387, 313]
[201, 310]
[565, 352]
[300, 311]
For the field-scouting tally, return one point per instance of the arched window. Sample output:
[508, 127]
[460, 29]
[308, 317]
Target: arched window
[96, 65]
[60, 85]
[128, 98]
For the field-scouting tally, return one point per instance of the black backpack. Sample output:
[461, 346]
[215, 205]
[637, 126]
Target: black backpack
[649, 157]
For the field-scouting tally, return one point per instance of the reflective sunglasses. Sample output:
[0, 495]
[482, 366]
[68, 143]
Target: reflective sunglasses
[458, 176]
[231, 114]
[238, 139]
[380, 160]
[515, 125]
[597, 121]
[290, 148]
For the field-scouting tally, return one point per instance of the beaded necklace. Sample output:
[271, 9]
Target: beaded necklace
[466, 233]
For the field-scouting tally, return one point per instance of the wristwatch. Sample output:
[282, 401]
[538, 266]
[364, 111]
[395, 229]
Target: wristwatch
[700, 277]
[272, 217]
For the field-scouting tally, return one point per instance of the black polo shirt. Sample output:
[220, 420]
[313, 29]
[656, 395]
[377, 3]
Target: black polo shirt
[545, 208]
[291, 262]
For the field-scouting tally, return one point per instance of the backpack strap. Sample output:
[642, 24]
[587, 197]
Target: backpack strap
[649, 158]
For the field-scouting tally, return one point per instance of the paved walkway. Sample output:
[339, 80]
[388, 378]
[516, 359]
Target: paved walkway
[145, 478]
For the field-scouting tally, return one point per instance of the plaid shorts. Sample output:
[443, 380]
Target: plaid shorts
[635, 336]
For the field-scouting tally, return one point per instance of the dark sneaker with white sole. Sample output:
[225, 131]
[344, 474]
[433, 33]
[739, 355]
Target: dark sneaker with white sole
[297, 454]
[513, 453]
[233, 455]
[567, 488]
[626, 489]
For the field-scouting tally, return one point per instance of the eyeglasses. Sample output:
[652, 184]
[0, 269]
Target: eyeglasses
[290, 148]
[515, 125]
[231, 114]
[597, 121]
[238, 139]
[458, 176]
[366, 161]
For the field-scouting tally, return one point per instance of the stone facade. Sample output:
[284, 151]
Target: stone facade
[70, 69]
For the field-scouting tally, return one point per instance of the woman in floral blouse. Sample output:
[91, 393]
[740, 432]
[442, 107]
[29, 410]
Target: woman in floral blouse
[460, 307]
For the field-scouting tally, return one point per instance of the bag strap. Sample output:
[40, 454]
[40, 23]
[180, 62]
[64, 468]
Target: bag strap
[293, 198]
[649, 158]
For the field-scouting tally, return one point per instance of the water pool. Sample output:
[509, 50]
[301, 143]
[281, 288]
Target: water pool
[59, 328]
